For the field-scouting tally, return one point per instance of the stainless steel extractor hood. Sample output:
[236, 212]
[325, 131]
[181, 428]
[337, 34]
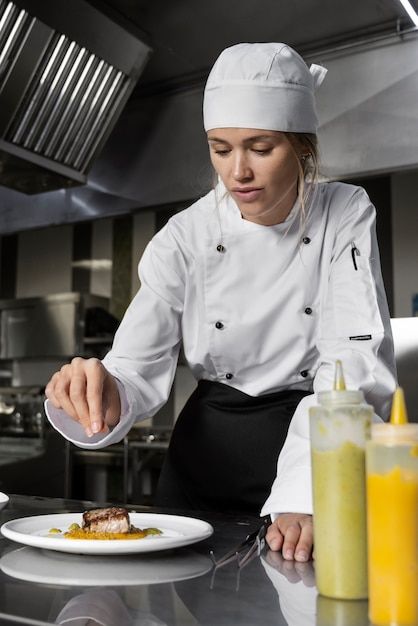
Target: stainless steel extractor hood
[66, 71]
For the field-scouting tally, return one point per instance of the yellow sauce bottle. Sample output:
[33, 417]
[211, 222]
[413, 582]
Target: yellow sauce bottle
[392, 509]
[340, 426]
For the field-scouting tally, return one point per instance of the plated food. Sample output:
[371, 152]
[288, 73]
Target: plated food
[176, 531]
[112, 523]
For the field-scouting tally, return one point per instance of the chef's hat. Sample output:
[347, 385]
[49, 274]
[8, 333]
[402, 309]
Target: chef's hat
[262, 85]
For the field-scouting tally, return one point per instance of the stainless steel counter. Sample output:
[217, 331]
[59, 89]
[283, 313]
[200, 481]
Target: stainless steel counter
[174, 588]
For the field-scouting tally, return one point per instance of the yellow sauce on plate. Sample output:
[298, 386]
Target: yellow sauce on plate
[87, 534]
[76, 532]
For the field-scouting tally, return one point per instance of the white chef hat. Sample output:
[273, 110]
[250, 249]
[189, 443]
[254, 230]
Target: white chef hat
[262, 85]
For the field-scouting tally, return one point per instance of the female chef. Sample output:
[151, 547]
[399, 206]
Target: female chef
[265, 281]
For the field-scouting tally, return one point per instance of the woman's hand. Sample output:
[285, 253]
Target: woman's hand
[292, 533]
[291, 570]
[88, 393]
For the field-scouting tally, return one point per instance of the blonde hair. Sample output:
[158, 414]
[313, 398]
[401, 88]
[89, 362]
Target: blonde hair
[305, 146]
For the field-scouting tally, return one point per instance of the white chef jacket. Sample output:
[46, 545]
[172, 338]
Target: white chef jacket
[291, 299]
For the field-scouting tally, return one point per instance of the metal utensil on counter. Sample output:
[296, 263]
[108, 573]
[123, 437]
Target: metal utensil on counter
[245, 551]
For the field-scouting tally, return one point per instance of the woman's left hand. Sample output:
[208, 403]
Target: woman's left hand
[292, 533]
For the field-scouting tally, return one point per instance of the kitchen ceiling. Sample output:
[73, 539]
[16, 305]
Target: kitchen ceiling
[187, 35]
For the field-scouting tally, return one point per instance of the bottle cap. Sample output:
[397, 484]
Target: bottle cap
[340, 394]
[398, 430]
[395, 433]
[399, 414]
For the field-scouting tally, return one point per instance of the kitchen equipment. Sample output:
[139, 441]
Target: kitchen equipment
[392, 508]
[340, 426]
[45, 327]
[21, 412]
[63, 85]
[38, 335]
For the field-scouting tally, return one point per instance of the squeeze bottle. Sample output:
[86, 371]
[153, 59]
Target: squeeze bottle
[331, 612]
[392, 509]
[339, 428]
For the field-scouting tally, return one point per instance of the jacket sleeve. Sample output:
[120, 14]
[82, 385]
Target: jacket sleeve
[355, 328]
[145, 350]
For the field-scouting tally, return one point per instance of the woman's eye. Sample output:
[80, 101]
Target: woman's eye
[262, 150]
[222, 152]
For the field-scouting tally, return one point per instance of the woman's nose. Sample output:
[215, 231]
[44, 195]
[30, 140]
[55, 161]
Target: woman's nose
[241, 169]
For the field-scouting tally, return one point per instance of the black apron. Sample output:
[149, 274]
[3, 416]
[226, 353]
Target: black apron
[224, 448]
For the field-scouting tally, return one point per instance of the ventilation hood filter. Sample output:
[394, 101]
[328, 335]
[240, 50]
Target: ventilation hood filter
[65, 74]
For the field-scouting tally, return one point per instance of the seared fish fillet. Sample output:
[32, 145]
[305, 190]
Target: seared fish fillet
[111, 520]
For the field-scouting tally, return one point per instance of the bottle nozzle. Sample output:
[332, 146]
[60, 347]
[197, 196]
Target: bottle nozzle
[399, 414]
[339, 382]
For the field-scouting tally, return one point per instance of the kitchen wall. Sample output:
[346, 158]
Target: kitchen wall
[44, 261]
[367, 108]
[405, 240]
[43, 257]
[101, 250]
[144, 226]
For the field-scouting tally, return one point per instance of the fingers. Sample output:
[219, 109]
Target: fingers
[304, 546]
[296, 531]
[274, 537]
[111, 402]
[78, 389]
[94, 394]
[293, 571]
[50, 391]
[291, 538]
[57, 391]
[77, 397]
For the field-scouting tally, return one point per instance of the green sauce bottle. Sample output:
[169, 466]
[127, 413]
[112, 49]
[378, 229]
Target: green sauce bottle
[340, 426]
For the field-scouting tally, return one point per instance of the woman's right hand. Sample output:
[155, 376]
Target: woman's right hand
[88, 393]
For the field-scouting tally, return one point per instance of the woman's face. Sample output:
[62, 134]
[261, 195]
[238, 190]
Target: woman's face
[260, 170]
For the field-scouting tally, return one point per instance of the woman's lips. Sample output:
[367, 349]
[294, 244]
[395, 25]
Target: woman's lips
[247, 195]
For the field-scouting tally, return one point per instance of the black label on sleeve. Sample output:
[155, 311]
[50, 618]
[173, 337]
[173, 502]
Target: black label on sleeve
[360, 337]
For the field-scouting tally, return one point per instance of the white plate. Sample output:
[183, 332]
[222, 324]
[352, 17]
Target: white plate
[176, 531]
[4, 499]
[48, 567]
